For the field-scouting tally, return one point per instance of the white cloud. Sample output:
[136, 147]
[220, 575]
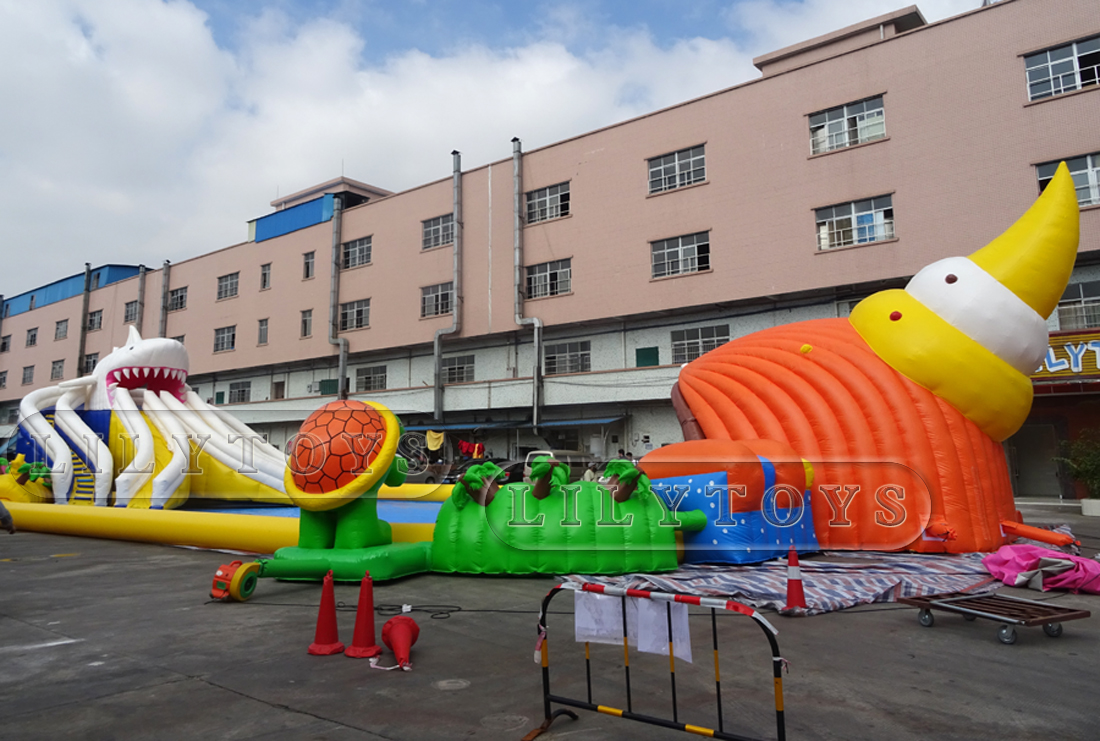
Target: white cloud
[127, 135]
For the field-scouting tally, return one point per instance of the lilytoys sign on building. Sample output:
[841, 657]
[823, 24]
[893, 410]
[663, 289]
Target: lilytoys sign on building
[1071, 355]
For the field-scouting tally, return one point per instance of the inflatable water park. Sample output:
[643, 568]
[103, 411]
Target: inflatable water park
[877, 432]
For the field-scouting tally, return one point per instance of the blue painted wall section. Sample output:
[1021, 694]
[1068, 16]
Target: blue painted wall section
[294, 218]
[65, 288]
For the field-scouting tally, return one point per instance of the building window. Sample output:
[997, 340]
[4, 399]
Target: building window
[459, 369]
[129, 314]
[307, 323]
[261, 334]
[177, 299]
[438, 231]
[95, 320]
[265, 276]
[688, 344]
[356, 253]
[1079, 307]
[1063, 69]
[227, 286]
[1086, 177]
[370, 379]
[28, 374]
[847, 125]
[437, 299]
[95, 281]
[278, 390]
[645, 357]
[355, 314]
[3, 379]
[90, 362]
[677, 169]
[240, 392]
[549, 278]
[307, 266]
[225, 338]
[858, 222]
[567, 357]
[179, 338]
[31, 304]
[57, 370]
[687, 254]
[548, 203]
[32, 337]
[5, 343]
[61, 329]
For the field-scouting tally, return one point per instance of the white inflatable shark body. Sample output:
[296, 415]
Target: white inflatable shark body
[164, 442]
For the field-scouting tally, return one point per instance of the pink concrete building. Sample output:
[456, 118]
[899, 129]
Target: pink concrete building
[549, 298]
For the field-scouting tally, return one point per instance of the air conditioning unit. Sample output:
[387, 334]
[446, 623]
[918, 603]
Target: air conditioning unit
[313, 388]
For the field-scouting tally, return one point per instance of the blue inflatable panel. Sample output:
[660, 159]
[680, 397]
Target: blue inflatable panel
[738, 537]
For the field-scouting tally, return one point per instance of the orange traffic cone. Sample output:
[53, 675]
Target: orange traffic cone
[796, 597]
[400, 633]
[362, 643]
[326, 641]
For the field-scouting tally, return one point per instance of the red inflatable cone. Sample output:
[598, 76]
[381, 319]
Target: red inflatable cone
[400, 633]
[796, 598]
[362, 643]
[326, 641]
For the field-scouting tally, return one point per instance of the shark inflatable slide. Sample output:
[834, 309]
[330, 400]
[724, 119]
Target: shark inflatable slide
[881, 431]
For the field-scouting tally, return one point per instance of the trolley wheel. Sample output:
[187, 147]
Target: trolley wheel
[1006, 634]
[244, 582]
[926, 618]
[970, 618]
[1053, 629]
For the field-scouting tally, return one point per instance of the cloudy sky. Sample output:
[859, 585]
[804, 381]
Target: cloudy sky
[135, 131]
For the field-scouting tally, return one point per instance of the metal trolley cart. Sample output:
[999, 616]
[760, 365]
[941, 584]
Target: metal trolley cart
[1009, 611]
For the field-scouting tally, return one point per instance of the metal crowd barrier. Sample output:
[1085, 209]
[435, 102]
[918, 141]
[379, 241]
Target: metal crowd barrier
[714, 605]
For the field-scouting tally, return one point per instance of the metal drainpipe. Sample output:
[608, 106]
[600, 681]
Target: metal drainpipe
[334, 299]
[517, 278]
[141, 299]
[456, 279]
[84, 319]
[165, 289]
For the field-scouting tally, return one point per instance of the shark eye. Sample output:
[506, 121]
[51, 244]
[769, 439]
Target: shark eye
[951, 278]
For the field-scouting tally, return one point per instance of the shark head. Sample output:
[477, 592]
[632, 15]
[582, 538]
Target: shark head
[157, 364]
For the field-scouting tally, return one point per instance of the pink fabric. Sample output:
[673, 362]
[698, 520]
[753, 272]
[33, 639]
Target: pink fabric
[1043, 568]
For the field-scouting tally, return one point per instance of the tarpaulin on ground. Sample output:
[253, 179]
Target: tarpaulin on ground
[837, 581]
[1043, 569]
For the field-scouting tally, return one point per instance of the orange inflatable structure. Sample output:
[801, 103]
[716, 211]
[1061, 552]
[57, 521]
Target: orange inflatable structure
[897, 413]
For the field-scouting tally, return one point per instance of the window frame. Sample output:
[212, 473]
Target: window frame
[554, 283]
[356, 253]
[5, 343]
[225, 338]
[32, 337]
[177, 299]
[1085, 174]
[306, 324]
[355, 314]
[28, 378]
[685, 264]
[1070, 54]
[130, 312]
[572, 356]
[547, 203]
[261, 331]
[437, 232]
[853, 118]
[95, 320]
[856, 210]
[679, 169]
[240, 392]
[372, 374]
[265, 276]
[696, 341]
[308, 265]
[454, 369]
[61, 330]
[439, 297]
[91, 359]
[229, 285]
[3, 379]
[57, 370]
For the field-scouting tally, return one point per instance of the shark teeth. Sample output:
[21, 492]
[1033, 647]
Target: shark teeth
[156, 372]
[126, 373]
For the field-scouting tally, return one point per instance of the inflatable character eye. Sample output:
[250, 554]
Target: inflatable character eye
[951, 278]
